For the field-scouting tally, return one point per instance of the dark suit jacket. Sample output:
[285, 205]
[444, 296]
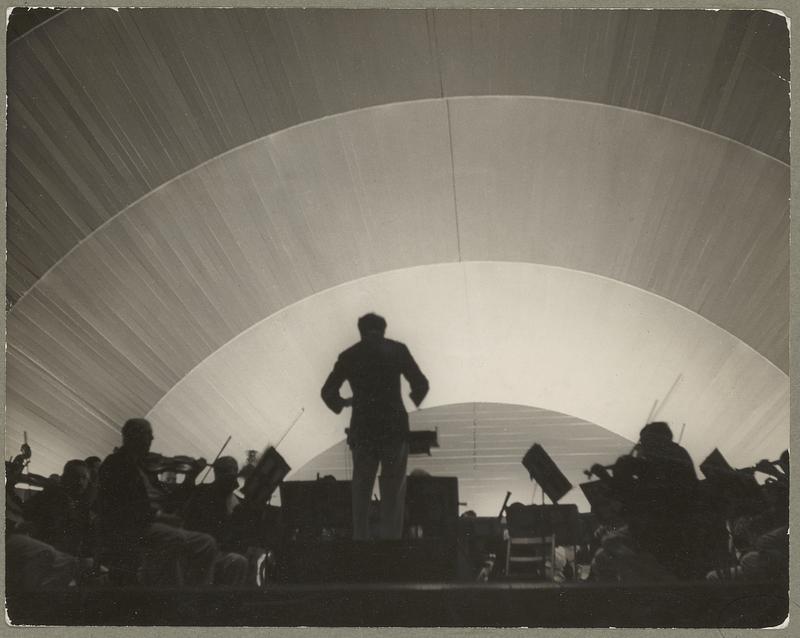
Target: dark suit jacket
[373, 369]
[122, 500]
[61, 521]
[206, 511]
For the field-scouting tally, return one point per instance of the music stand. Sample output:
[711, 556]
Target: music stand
[715, 463]
[265, 477]
[545, 472]
[421, 441]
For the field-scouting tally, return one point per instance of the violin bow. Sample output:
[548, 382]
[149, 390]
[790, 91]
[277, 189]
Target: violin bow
[657, 406]
[25, 443]
[210, 465]
[296, 419]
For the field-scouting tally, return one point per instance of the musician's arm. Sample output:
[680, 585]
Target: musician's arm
[601, 472]
[330, 389]
[768, 467]
[417, 380]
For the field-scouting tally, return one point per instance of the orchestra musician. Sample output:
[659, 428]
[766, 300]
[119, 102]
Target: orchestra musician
[134, 514]
[379, 429]
[657, 486]
[30, 563]
[760, 536]
[61, 515]
[210, 509]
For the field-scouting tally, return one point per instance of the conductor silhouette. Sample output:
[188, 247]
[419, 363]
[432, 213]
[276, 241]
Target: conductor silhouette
[378, 433]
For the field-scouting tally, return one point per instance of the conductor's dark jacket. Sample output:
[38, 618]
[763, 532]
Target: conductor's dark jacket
[373, 369]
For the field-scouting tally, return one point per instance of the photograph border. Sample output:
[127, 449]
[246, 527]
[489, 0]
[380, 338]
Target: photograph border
[792, 11]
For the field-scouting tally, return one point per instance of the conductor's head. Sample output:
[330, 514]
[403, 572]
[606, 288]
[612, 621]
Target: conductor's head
[371, 326]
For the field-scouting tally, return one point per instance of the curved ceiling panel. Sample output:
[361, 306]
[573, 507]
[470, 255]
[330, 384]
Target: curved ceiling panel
[520, 334]
[104, 106]
[687, 215]
[482, 444]
[128, 313]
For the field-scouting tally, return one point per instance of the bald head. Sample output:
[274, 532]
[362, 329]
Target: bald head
[137, 436]
[226, 465]
[226, 472]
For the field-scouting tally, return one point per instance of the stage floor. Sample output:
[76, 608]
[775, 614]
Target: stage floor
[498, 604]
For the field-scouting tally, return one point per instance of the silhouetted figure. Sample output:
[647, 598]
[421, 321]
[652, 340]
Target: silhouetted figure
[657, 487]
[621, 559]
[210, 510]
[30, 563]
[130, 504]
[378, 431]
[762, 550]
[61, 516]
[759, 529]
[664, 500]
[775, 490]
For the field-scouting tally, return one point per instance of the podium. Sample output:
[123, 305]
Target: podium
[318, 547]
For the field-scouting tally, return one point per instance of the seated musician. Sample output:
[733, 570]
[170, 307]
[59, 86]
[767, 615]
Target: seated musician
[760, 528]
[31, 564]
[62, 517]
[658, 489]
[133, 510]
[209, 509]
[762, 546]
[620, 559]
[775, 489]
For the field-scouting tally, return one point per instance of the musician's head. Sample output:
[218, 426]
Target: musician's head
[93, 463]
[655, 434]
[137, 436]
[371, 326]
[75, 477]
[226, 473]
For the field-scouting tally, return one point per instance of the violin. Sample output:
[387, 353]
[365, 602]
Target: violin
[35, 480]
[623, 463]
[624, 467]
[155, 463]
[597, 470]
[765, 466]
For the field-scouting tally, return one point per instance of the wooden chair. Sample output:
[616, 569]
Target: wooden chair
[530, 557]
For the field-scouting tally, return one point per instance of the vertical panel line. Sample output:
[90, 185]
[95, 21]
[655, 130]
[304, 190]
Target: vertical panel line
[453, 177]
